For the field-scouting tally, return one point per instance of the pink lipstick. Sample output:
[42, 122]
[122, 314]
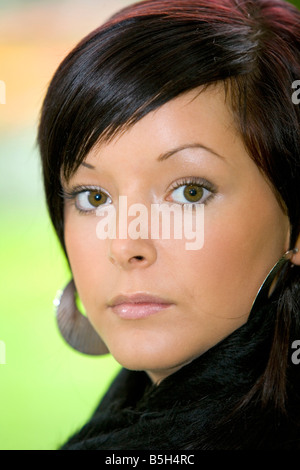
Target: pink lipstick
[132, 307]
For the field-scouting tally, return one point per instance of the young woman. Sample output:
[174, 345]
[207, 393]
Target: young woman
[184, 105]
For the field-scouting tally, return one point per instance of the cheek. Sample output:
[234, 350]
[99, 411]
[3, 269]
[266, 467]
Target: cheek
[240, 246]
[85, 252]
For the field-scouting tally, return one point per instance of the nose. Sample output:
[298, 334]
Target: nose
[130, 254]
[130, 250]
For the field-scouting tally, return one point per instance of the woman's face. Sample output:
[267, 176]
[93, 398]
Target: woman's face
[186, 152]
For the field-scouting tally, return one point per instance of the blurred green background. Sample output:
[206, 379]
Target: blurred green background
[47, 390]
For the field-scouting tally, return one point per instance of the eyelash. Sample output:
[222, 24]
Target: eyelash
[197, 181]
[73, 193]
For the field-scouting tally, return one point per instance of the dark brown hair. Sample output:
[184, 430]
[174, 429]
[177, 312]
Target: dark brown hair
[155, 50]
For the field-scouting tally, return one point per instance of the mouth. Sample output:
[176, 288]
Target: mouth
[132, 307]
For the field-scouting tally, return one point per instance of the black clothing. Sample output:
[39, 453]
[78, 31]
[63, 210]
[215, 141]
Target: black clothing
[191, 409]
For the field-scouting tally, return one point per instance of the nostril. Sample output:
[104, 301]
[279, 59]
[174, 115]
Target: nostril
[139, 257]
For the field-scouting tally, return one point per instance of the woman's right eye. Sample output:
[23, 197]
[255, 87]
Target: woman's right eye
[90, 200]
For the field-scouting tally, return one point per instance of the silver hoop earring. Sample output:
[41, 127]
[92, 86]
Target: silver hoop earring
[264, 291]
[75, 327]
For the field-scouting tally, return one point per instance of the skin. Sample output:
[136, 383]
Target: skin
[212, 289]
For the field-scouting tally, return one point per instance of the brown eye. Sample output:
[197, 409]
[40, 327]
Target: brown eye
[193, 193]
[89, 200]
[96, 198]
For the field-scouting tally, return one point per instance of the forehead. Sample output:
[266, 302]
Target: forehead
[197, 118]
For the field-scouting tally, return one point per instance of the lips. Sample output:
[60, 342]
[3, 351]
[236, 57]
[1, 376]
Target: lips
[137, 306]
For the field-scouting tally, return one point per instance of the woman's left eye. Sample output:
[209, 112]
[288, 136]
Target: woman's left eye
[89, 200]
[190, 193]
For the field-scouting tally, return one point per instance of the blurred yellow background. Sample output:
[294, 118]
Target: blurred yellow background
[46, 389]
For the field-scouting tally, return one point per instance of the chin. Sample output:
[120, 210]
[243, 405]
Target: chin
[139, 361]
[149, 349]
[157, 363]
[141, 358]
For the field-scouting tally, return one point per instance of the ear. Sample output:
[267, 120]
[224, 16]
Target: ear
[296, 256]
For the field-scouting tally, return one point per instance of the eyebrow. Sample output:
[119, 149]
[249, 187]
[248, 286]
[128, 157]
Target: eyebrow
[169, 154]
